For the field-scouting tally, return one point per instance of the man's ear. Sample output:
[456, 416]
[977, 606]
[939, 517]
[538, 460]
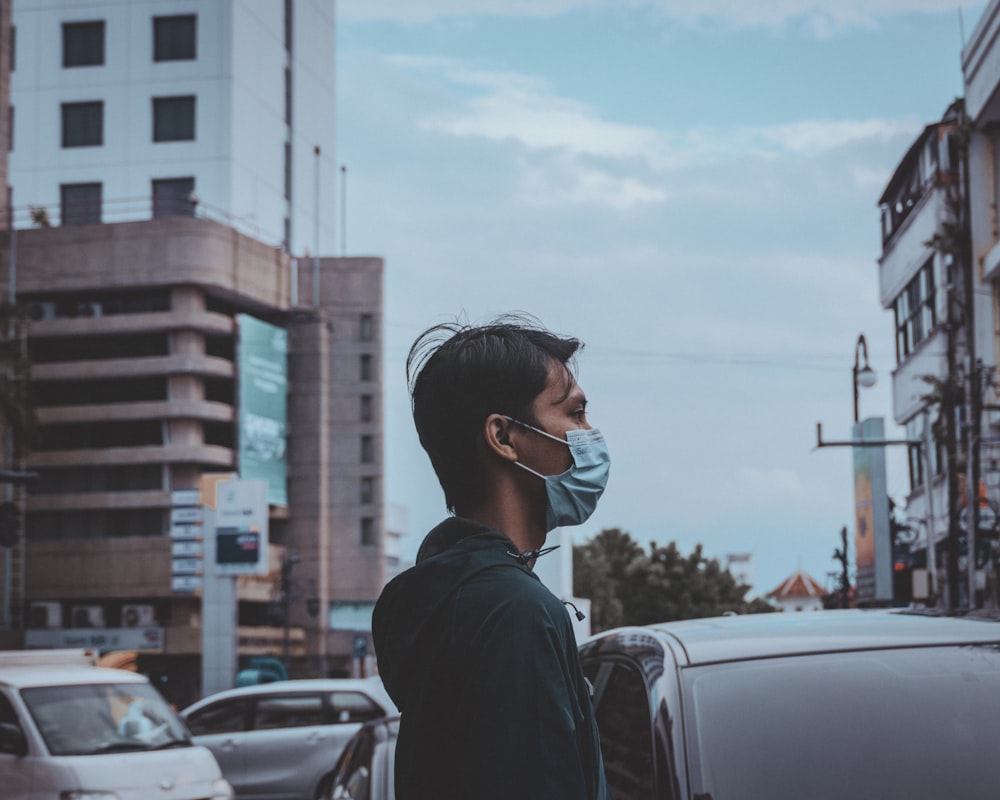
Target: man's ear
[496, 433]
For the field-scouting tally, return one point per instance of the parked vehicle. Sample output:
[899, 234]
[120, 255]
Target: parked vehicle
[820, 705]
[70, 729]
[281, 740]
[365, 768]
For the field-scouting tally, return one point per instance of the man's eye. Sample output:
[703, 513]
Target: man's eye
[580, 414]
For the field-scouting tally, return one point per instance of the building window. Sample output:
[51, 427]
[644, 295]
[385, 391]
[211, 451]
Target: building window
[174, 38]
[365, 367]
[915, 311]
[83, 124]
[80, 203]
[288, 171]
[367, 449]
[13, 48]
[367, 331]
[366, 408]
[173, 119]
[288, 95]
[10, 128]
[172, 197]
[288, 25]
[367, 531]
[918, 475]
[367, 490]
[83, 44]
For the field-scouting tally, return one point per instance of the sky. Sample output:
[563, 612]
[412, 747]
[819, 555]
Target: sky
[691, 188]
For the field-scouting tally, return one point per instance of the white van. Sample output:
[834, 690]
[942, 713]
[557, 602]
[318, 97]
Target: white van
[70, 730]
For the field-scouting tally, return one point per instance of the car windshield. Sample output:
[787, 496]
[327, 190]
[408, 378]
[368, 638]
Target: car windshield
[919, 723]
[98, 718]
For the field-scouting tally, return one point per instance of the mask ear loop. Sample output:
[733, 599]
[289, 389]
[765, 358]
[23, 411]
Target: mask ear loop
[531, 555]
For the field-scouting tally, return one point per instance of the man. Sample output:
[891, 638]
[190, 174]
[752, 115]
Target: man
[478, 655]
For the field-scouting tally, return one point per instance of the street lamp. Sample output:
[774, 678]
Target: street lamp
[863, 375]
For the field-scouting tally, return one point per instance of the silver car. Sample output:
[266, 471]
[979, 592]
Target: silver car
[280, 741]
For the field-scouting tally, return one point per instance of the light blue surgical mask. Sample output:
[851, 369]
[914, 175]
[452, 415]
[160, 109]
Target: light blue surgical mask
[573, 494]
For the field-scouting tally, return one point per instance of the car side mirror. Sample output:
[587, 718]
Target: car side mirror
[12, 740]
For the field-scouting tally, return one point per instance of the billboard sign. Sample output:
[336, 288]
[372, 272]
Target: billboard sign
[241, 527]
[262, 361]
[872, 544]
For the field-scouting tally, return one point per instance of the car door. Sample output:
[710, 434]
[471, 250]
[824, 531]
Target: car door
[222, 728]
[289, 749]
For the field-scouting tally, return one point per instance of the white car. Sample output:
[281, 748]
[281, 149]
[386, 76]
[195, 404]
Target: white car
[281, 741]
[70, 729]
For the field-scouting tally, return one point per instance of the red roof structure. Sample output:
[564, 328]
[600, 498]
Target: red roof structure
[798, 585]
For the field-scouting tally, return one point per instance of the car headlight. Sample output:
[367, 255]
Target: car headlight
[83, 794]
[221, 790]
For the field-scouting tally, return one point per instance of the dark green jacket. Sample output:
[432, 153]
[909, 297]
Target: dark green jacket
[481, 660]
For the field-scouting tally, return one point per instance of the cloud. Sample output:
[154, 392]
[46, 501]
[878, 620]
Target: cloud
[514, 107]
[823, 17]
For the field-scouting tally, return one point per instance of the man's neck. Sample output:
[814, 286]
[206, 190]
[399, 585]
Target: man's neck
[513, 520]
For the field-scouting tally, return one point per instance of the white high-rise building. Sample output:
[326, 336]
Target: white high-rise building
[128, 109]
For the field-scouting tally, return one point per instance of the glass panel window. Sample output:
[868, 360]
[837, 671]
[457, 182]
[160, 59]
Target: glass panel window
[175, 38]
[623, 722]
[172, 197]
[83, 124]
[80, 203]
[353, 707]
[366, 408]
[367, 449]
[915, 311]
[856, 704]
[226, 716]
[288, 711]
[13, 48]
[366, 367]
[173, 119]
[83, 44]
[367, 327]
[367, 531]
[367, 490]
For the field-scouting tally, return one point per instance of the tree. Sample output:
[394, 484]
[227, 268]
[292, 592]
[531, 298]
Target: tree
[628, 586]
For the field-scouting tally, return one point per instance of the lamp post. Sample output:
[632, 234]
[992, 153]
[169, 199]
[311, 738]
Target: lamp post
[863, 375]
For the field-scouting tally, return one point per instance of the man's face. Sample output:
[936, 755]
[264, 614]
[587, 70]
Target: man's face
[561, 406]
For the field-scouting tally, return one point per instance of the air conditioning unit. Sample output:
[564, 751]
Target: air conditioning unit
[88, 310]
[138, 616]
[86, 617]
[45, 615]
[40, 311]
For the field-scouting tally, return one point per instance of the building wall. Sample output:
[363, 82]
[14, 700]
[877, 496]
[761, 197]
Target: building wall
[237, 158]
[99, 518]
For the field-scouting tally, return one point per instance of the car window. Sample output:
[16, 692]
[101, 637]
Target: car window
[7, 712]
[225, 716]
[288, 711]
[353, 707]
[625, 728]
[915, 723]
[353, 774]
[90, 719]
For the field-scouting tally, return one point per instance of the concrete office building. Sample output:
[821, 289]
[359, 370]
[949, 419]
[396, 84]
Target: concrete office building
[123, 107]
[163, 176]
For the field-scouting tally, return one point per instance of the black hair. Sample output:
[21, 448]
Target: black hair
[459, 374]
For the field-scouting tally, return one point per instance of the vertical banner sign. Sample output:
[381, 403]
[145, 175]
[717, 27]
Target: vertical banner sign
[871, 516]
[241, 528]
[263, 384]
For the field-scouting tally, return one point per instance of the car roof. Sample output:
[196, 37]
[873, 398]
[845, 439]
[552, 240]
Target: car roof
[369, 686]
[734, 638]
[23, 677]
